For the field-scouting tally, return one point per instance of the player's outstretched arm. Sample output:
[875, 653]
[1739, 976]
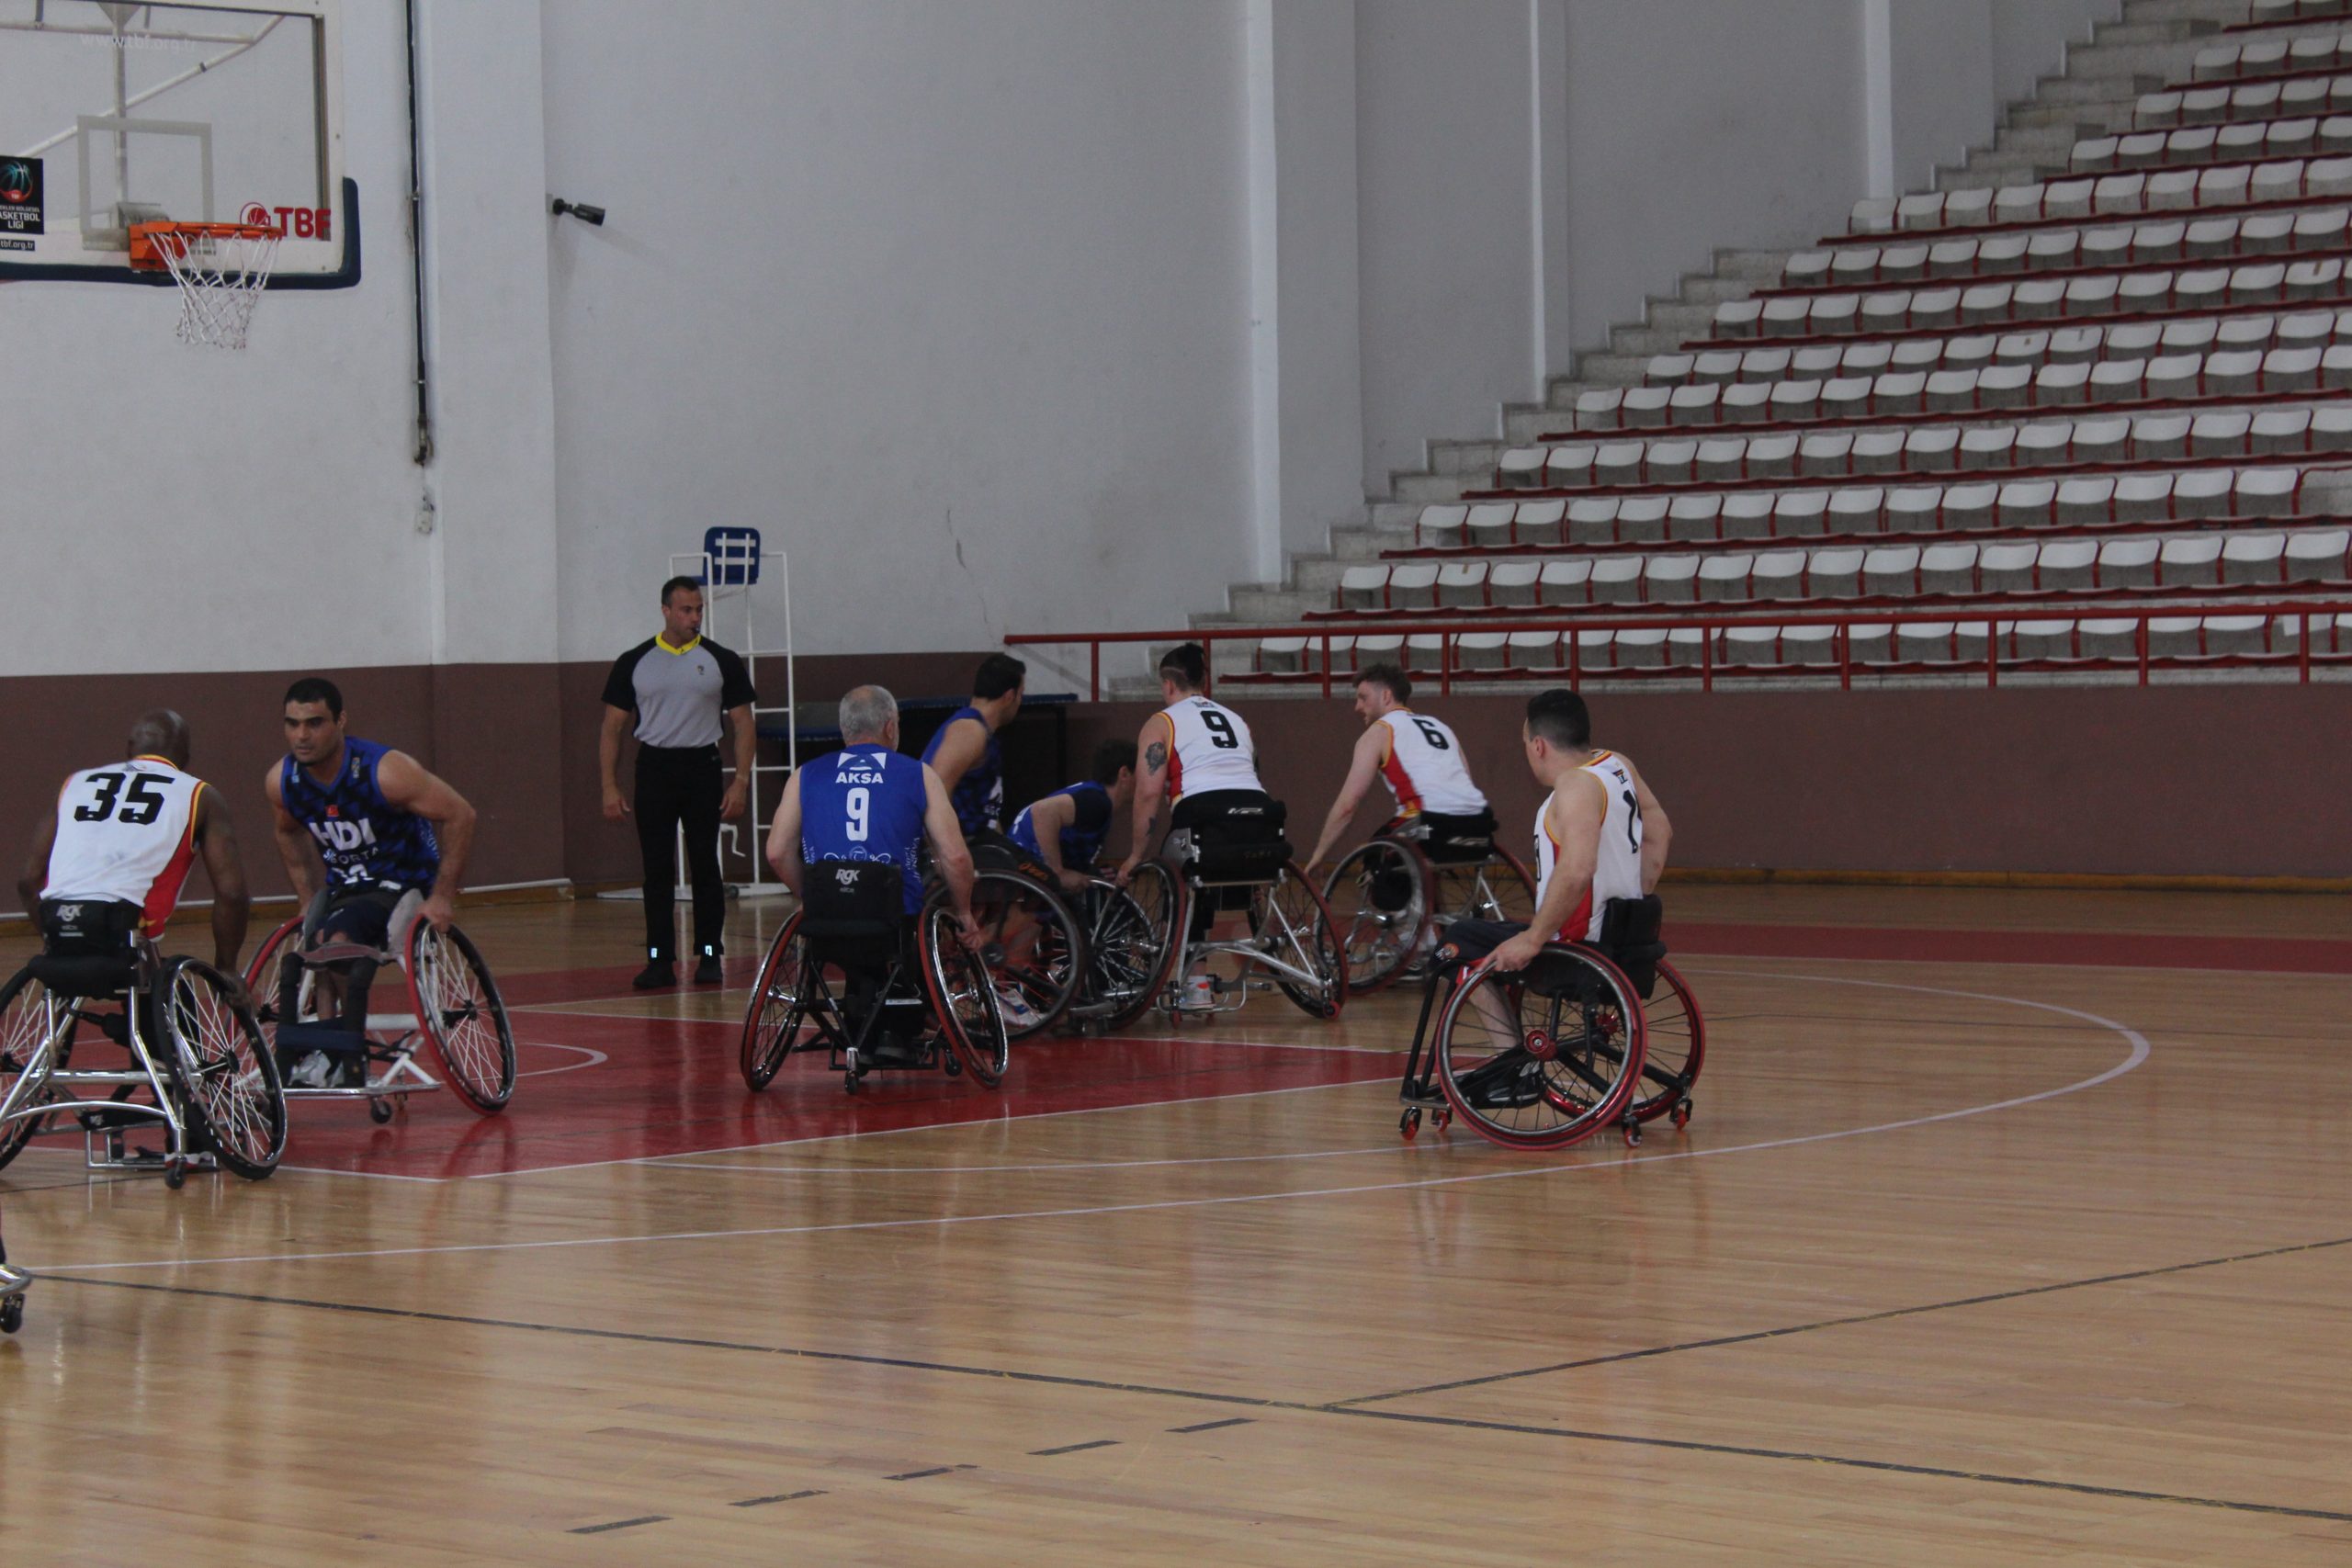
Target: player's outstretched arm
[1152, 788]
[1578, 808]
[1658, 832]
[36, 873]
[949, 851]
[305, 872]
[1363, 766]
[784, 835]
[408, 786]
[232, 904]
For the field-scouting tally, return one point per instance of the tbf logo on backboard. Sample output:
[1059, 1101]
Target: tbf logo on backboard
[294, 222]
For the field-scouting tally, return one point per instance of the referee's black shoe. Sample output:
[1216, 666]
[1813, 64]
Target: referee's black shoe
[707, 971]
[656, 975]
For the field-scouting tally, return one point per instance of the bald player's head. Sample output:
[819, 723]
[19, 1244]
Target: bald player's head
[160, 732]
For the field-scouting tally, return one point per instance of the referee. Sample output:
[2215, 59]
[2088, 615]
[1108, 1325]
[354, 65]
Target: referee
[682, 690]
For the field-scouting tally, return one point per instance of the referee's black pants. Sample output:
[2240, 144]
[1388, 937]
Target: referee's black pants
[674, 785]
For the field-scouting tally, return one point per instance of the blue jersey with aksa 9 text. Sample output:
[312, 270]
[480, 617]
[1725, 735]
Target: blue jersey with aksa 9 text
[865, 803]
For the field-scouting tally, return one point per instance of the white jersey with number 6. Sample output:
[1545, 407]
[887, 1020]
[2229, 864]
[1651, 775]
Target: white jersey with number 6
[1210, 749]
[1424, 767]
[125, 832]
[1617, 867]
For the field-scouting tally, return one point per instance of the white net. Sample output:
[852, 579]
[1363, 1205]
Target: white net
[221, 278]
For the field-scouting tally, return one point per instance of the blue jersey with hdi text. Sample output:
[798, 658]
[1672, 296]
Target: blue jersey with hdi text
[1089, 826]
[866, 803]
[978, 796]
[366, 841]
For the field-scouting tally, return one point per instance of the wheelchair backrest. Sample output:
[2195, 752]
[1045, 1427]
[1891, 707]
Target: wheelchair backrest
[1630, 935]
[89, 946]
[1242, 844]
[853, 911]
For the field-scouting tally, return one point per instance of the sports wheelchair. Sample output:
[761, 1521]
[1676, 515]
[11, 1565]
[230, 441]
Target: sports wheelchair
[1240, 862]
[194, 1046]
[1588, 1035]
[1131, 947]
[1032, 939]
[853, 975]
[1394, 894]
[454, 1006]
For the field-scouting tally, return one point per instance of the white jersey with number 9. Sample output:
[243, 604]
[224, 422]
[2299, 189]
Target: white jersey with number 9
[1210, 749]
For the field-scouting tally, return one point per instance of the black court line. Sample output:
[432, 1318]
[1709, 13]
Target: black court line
[1074, 1447]
[688, 1342]
[779, 1497]
[619, 1524]
[1933, 1471]
[1213, 1426]
[1749, 1338]
[920, 1474]
[1307, 1407]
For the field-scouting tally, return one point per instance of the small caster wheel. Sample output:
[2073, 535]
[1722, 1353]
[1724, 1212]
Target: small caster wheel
[849, 1083]
[175, 1176]
[1409, 1122]
[955, 1067]
[1632, 1134]
[379, 1109]
[1683, 1113]
[12, 1315]
[1443, 1120]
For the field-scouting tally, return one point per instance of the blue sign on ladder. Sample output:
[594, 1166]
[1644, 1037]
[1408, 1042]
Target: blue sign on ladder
[734, 557]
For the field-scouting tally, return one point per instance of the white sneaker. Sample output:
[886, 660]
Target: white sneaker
[1015, 1009]
[1197, 994]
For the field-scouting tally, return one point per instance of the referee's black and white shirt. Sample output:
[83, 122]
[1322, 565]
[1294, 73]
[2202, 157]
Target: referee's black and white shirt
[680, 696]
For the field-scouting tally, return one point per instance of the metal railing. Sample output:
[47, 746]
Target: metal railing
[1713, 663]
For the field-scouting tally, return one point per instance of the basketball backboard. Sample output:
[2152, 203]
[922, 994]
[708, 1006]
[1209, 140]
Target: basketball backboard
[114, 113]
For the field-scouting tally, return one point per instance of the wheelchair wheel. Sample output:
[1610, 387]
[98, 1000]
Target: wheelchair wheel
[25, 1023]
[266, 976]
[1293, 918]
[1034, 947]
[1165, 904]
[1500, 888]
[457, 1007]
[1379, 894]
[963, 1000]
[1123, 951]
[1674, 1036]
[226, 1072]
[785, 1000]
[1544, 1057]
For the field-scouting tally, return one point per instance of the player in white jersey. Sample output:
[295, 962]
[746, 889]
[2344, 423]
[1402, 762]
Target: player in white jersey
[1195, 754]
[1600, 834]
[106, 866]
[1418, 757]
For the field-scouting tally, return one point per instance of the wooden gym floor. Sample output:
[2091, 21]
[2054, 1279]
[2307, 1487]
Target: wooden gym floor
[2012, 1228]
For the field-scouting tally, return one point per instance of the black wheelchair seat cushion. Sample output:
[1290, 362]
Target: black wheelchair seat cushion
[1451, 839]
[1241, 841]
[86, 975]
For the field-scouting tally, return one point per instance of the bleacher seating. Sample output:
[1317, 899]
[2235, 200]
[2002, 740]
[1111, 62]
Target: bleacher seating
[2099, 419]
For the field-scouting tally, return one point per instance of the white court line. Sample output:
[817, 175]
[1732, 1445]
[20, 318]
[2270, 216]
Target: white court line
[2138, 1055]
[680, 1162]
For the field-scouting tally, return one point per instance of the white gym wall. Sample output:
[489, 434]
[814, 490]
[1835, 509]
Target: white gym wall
[999, 313]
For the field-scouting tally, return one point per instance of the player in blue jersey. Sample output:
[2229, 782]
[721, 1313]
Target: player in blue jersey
[1066, 829]
[368, 836]
[967, 759]
[871, 802]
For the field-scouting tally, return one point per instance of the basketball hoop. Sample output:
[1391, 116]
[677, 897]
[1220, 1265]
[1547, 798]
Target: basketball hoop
[221, 269]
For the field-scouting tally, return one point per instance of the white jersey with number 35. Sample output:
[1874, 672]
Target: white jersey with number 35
[1424, 769]
[126, 833]
[1617, 865]
[1210, 749]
